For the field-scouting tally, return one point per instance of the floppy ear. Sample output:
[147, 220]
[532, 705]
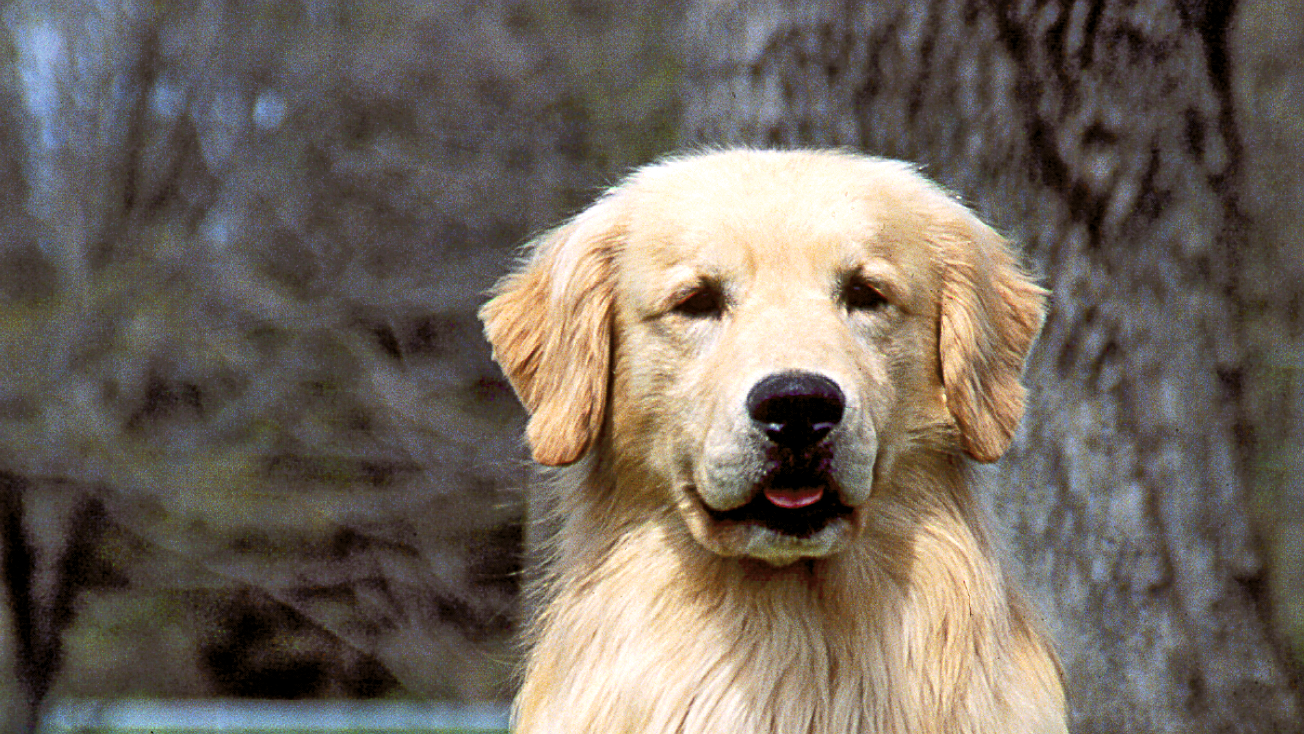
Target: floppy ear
[990, 313]
[550, 327]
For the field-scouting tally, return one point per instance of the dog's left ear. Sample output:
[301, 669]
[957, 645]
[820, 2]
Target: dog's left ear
[990, 313]
[550, 327]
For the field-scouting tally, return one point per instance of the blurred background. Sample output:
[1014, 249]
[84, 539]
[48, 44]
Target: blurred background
[251, 440]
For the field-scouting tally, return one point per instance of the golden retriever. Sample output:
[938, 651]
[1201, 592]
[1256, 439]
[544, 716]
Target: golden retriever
[763, 375]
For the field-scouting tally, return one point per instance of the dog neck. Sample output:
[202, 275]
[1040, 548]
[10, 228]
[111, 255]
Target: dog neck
[912, 629]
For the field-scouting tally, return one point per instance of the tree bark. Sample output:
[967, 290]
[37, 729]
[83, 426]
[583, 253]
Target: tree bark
[1103, 135]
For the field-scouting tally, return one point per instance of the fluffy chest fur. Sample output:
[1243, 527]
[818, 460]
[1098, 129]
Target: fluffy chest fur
[762, 376]
[915, 632]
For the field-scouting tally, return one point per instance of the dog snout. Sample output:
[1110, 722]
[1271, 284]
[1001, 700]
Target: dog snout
[796, 409]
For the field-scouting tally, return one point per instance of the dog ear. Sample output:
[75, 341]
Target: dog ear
[990, 313]
[550, 327]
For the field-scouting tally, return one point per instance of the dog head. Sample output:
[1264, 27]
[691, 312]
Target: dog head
[760, 335]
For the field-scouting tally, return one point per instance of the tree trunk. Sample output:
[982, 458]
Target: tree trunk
[1103, 135]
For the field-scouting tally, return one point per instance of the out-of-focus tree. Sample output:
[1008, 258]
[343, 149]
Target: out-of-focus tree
[42, 574]
[1110, 138]
[243, 246]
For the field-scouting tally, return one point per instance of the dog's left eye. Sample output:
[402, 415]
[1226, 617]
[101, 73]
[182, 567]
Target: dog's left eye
[704, 301]
[859, 295]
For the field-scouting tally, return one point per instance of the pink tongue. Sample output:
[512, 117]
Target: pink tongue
[791, 499]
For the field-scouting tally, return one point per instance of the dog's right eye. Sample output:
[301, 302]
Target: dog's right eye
[704, 301]
[860, 295]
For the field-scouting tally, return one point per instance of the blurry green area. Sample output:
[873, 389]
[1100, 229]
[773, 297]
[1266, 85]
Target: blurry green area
[242, 251]
[1268, 44]
[293, 717]
[282, 730]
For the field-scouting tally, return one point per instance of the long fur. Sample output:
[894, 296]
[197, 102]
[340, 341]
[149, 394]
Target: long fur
[912, 628]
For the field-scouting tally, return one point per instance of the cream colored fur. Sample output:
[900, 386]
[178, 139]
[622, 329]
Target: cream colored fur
[656, 616]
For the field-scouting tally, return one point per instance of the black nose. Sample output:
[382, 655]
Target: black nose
[796, 409]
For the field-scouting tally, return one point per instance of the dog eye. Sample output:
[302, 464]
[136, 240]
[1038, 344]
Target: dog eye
[704, 301]
[859, 295]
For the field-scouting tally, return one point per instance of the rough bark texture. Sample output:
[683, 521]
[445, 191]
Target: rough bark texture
[1104, 136]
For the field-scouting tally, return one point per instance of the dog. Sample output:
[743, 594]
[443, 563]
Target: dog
[763, 377]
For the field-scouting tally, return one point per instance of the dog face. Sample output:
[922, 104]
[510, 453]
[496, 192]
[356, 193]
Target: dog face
[763, 335]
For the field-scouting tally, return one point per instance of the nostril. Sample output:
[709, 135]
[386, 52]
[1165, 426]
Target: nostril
[796, 409]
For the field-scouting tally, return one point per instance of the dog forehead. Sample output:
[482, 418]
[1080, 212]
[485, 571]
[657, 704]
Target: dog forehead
[782, 211]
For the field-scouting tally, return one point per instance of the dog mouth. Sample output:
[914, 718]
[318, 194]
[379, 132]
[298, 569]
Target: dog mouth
[796, 500]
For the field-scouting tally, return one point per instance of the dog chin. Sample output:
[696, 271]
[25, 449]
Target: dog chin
[779, 549]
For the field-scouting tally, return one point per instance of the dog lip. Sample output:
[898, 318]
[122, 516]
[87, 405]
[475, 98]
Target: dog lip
[797, 496]
[793, 504]
[799, 522]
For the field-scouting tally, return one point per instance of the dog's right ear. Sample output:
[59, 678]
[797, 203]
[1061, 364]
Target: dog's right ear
[989, 315]
[550, 327]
